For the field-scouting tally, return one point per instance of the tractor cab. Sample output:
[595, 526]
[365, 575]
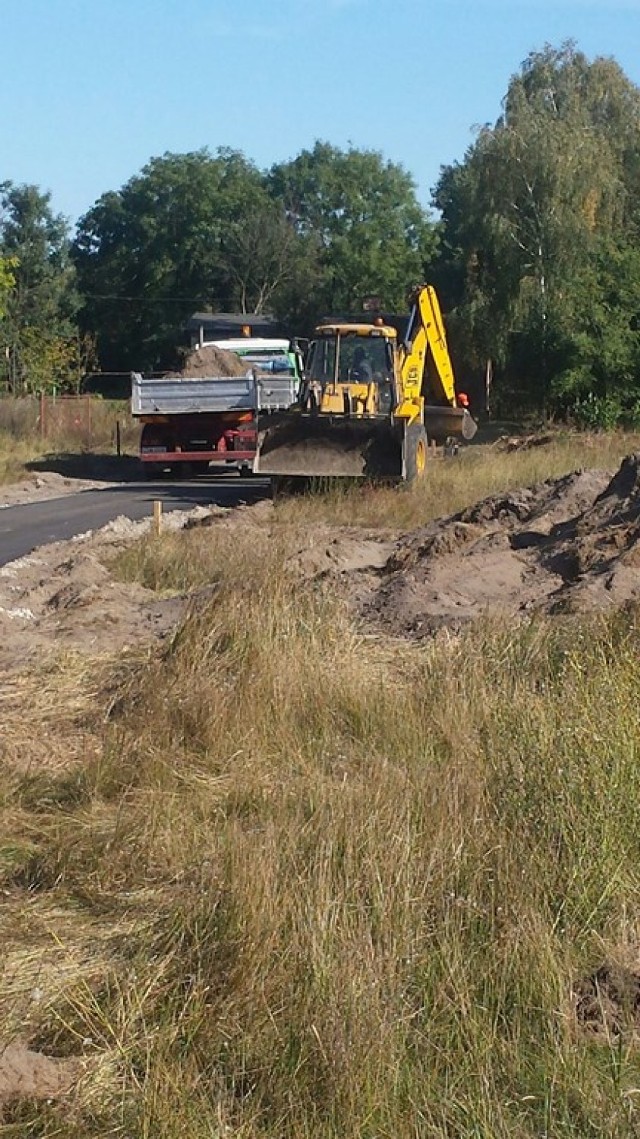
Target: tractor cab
[351, 367]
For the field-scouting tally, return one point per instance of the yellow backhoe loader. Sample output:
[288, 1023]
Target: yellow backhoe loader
[369, 402]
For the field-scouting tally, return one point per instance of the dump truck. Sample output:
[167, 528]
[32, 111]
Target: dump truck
[189, 422]
[370, 401]
[199, 416]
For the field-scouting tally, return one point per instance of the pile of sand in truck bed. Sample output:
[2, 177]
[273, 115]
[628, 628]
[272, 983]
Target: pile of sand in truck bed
[212, 361]
[566, 545]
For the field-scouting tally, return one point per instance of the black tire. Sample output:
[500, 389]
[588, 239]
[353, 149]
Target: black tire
[415, 451]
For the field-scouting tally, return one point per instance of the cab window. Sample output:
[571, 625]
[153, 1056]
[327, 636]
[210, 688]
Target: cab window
[322, 360]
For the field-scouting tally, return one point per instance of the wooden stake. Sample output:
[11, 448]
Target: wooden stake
[157, 516]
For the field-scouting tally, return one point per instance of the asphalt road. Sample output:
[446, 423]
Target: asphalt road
[25, 527]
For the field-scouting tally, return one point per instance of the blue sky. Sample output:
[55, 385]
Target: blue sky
[91, 89]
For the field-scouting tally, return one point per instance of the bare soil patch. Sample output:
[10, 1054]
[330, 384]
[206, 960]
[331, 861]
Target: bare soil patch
[25, 1074]
[47, 484]
[566, 545]
[63, 596]
[607, 1003]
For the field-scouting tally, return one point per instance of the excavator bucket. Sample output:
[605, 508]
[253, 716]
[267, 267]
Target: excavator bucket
[326, 447]
[444, 423]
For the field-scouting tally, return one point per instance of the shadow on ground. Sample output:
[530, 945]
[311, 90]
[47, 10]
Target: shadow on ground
[114, 468]
[89, 465]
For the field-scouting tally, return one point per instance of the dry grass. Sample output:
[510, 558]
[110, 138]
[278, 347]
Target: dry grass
[88, 426]
[453, 483]
[318, 884]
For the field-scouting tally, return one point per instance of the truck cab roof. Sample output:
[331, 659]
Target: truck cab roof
[250, 345]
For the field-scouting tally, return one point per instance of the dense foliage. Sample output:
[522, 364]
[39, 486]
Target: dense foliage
[540, 259]
[211, 232]
[536, 252]
[38, 299]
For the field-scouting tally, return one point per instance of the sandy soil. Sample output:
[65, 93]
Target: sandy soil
[25, 1074]
[212, 361]
[63, 595]
[567, 545]
[46, 485]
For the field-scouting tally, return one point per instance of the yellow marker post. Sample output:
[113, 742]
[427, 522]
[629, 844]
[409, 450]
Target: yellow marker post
[157, 517]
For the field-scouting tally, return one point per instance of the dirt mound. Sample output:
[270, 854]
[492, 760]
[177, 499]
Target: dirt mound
[566, 545]
[546, 504]
[65, 594]
[522, 442]
[327, 554]
[212, 361]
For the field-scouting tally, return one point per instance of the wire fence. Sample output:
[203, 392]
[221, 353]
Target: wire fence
[81, 423]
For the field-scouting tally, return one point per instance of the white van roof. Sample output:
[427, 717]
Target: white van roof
[249, 344]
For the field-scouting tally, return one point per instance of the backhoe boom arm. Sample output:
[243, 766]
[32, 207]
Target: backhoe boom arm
[426, 331]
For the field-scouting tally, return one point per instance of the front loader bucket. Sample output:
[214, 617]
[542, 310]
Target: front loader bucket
[328, 447]
[444, 423]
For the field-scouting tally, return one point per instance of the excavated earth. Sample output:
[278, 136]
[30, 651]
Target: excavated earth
[566, 545]
[212, 361]
[64, 595]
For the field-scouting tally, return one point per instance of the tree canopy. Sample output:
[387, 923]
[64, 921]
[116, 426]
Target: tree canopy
[38, 299]
[149, 254]
[539, 221]
[202, 231]
[362, 220]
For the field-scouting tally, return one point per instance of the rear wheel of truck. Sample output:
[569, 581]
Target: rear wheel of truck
[415, 452]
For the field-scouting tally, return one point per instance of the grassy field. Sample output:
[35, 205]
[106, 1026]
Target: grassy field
[70, 427]
[282, 878]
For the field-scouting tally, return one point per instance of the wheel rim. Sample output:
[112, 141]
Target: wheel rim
[421, 457]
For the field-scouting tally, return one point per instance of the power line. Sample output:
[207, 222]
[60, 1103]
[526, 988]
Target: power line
[143, 300]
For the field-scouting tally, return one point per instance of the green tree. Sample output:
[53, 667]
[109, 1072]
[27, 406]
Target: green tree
[40, 301]
[363, 228]
[526, 218]
[191, 231]
[260, 255]
[8, 265]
